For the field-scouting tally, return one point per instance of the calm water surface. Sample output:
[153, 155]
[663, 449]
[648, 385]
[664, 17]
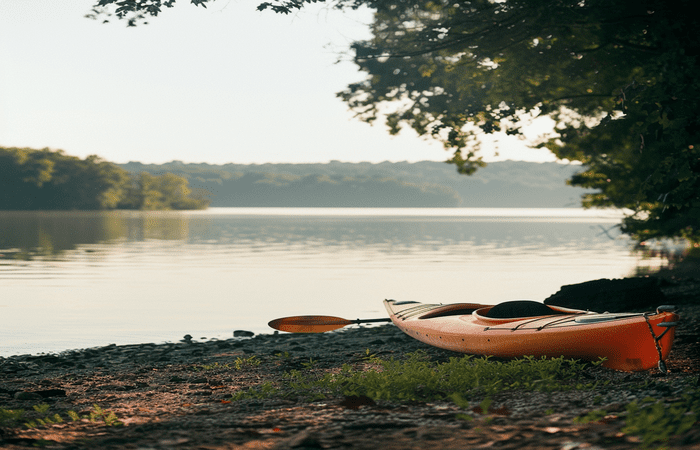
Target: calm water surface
[82, 279]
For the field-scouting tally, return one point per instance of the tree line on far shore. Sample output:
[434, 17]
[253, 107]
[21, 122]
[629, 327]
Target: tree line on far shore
[504, 184]
[51, 180]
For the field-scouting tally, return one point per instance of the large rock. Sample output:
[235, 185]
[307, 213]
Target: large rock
[610, 295]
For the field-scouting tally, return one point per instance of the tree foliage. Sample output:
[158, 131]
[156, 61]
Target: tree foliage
[133, 11]
[157, 192]
[619, 78]
[51, 180]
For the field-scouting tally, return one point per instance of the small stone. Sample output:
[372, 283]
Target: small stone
[173, 442]
[356, 401]
[243, 333]
[305, 439]
[27, 396]
[46, 393]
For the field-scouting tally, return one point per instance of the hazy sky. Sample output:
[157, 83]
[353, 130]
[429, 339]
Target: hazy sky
[222, 84]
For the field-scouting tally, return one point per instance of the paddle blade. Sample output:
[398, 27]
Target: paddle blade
[309, 324]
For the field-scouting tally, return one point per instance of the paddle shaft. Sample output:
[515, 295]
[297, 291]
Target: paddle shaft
[386, 319]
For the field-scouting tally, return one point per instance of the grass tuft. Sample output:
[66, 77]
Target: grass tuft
[40, 418]
[656, 421]
[417, 378]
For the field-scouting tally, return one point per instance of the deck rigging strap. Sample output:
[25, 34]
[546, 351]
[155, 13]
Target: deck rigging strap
[415, 311]
[558, 321]
[540, 328]
[517, 327]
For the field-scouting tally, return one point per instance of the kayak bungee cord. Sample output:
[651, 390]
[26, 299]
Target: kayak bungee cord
[668, 326]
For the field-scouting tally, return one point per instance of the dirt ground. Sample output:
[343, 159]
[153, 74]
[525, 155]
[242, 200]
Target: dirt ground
[179, 396]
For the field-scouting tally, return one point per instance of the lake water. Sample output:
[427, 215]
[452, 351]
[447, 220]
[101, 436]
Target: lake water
[83, 279]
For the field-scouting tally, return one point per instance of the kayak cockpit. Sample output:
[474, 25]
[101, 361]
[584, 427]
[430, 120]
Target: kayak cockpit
[511, 310]
[521, 309]
[457, 309]
[517, 310]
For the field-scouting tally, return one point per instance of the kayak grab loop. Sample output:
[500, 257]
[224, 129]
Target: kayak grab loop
[667, 325]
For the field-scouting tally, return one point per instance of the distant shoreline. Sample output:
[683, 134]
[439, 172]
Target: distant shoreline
[507, 184]
[569, 213]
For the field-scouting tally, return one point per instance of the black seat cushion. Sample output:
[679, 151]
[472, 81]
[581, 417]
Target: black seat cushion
[520, 308]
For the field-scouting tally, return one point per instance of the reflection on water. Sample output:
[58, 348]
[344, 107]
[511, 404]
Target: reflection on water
[27, 235]
[77, 279]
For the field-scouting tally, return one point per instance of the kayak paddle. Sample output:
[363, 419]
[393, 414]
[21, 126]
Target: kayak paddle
[316, 324]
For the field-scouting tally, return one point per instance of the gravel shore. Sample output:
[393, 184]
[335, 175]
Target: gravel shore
[178, 396]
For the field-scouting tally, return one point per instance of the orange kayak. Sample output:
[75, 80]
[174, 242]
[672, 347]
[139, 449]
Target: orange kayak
[628, 341]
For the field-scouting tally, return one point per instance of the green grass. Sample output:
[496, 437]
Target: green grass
[654, 420]
[11, 418]
[591, 416]
[417, 378]
[206, 367]
[238, 364]
[252, 361]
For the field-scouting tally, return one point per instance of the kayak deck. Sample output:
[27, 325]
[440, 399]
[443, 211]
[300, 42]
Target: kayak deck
[628, 341]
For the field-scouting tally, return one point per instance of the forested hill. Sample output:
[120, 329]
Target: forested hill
[45, 179]
[402, 184]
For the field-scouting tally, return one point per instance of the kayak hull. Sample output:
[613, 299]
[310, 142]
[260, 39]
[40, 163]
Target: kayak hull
[627, 341]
